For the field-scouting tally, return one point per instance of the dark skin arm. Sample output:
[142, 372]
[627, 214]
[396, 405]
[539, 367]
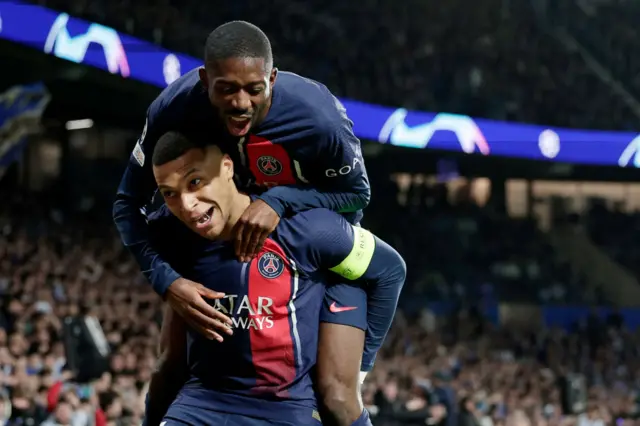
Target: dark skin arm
[257, 222]
[171, 372]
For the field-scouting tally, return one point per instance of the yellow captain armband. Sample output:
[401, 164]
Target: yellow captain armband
[356, 263]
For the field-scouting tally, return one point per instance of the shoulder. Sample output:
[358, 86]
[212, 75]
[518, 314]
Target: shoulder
[314, 219]
[312, 101]
[314, 238]
[317, 228]
[177, 97]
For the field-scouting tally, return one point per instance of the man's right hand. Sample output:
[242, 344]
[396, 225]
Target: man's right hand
[187, 300]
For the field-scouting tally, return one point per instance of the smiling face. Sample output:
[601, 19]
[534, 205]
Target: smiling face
[198, 188]
[240, 89]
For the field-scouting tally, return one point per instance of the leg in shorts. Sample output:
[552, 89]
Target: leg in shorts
[345, 304]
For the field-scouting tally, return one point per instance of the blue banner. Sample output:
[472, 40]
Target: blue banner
[566, 317]
[21, 109]
[102, 47]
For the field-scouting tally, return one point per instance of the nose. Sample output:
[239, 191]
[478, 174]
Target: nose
[241, 101]
[189, 203]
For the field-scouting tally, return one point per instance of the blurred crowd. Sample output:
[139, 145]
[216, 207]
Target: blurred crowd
[465, 372]
[56, 266]
[489, 58]
[456, 370]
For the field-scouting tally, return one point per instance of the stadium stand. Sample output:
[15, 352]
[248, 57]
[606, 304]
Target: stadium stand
[590, 23]
[492, 59]
[615, 231]
[54, 261]
[447, 360]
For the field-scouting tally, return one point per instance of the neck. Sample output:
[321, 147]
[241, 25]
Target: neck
[239, 204]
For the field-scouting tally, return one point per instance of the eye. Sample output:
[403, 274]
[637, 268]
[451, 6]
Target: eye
[168, 194]
[226, 90]
[194, 183]
[255, 90]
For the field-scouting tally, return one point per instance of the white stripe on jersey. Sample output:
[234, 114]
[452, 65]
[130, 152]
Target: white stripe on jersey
[299, 172]
[294, 318]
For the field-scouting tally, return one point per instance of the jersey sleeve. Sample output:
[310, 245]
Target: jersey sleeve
[356, 255]
[334, 169]
[134, 194]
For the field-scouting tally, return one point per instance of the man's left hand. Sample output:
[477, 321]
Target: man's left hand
[257, 222]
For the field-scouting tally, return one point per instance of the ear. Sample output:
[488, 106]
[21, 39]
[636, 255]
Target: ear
[273, 76]
[202, 73]
[226, 169]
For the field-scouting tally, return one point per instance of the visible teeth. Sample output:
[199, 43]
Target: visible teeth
[239, 119]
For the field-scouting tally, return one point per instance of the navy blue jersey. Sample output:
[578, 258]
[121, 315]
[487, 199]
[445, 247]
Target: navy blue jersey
[274, 301]
[304, 152]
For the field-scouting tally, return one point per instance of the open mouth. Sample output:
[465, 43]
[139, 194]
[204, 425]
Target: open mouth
[204, 220]
[238, 126]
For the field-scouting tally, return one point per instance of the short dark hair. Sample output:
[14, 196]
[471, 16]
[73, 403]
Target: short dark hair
[170, 146]
[238, 39]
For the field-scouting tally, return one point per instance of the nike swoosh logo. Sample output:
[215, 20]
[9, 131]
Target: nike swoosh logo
[336, 309]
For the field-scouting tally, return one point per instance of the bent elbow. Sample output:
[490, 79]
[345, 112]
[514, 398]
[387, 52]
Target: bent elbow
[402, 268]
[117, 208]
[364, 197]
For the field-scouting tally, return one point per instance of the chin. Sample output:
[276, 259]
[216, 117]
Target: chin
[212, 233]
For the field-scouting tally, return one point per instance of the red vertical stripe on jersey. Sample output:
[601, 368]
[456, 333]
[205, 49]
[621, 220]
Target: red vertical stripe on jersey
[269, 162]
[272, 347]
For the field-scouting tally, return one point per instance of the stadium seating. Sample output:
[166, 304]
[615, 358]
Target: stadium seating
[53, 262]
[460, 251]
[591, 23]
[489, 58]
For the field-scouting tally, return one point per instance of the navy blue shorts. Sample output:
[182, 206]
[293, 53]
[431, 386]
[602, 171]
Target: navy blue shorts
[186, 415]
[345, 304]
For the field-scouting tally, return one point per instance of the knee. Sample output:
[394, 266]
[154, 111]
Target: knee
[336, 392]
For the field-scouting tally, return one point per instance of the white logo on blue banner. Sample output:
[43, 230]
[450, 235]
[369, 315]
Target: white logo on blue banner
[397, 132]
[630, 154]
[171, 68]
[74, 48]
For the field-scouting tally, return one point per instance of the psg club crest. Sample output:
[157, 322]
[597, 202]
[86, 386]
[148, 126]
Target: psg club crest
[269, 165]
[270, 265]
